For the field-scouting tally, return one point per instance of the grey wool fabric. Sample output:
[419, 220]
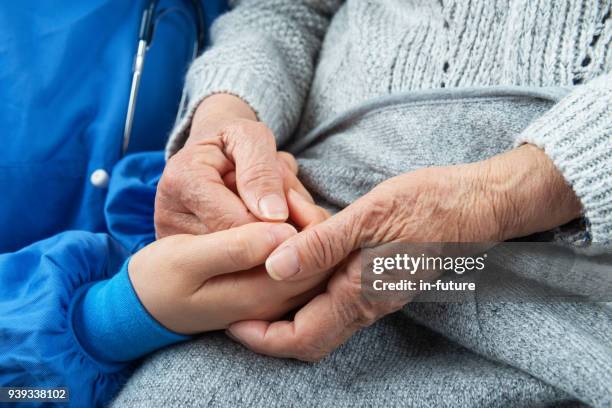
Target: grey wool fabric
[363, 90]
[470, 354]
[299, 63]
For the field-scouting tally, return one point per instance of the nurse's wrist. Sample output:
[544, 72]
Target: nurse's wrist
[111, 324]
[216, 112]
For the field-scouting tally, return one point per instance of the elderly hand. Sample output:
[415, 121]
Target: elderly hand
[227, 174]
[193, 284]
[510, 195]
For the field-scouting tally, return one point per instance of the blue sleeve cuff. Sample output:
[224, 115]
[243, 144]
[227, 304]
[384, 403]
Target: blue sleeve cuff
[112, 325]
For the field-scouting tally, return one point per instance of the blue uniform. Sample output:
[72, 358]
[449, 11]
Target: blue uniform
[65, 75]
[67, 307]
[70, 317]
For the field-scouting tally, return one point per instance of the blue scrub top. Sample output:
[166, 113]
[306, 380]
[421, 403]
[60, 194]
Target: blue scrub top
[65, 75]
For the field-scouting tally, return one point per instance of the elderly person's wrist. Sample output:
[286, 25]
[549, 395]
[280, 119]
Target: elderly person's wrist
[216, 111]
[510, 195]
[527, 192]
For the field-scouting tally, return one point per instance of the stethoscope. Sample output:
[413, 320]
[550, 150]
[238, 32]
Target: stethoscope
[145, 37]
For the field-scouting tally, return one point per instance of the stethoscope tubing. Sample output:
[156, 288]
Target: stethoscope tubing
[145, 38]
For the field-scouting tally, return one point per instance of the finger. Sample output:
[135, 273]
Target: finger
[288, 166]
[192, 183]
[215, 205]
[258, 176]
[291, 181]
[288, 161]
[289, 169]
[228, 251]
[256, 296]
[230, 181]
[304, 213]
[317, 249]
[291, 184]
[312, 335]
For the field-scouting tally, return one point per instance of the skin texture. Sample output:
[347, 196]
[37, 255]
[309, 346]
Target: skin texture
[197, 283]
[510, 195]
[228, 174]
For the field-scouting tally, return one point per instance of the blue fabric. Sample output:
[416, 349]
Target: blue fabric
[37, 286]
[131, 199]
[67, 308]
[112, 325]
[64, 86]
[64, 77]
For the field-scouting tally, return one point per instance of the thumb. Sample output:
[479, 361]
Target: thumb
[236, 249]
[316, 249]
[259, 179]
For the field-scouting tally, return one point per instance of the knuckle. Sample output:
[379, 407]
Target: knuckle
[207, 153]
[239, 249]
[260, 130]
[171, 176]
[288, 160]
[237, 129]
[259, 174]
[353, 228]
[370, 311]
[354, 310]
[368, 314]
[321, 248]
[230, 133]
[310, 349]
[379, 204]
[381, 212]
[346, 310]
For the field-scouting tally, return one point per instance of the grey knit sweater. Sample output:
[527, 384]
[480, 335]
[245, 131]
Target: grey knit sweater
[364, 90]
[301, 62]
[471, 354]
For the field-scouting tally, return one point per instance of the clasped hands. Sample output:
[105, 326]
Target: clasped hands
[228, 255]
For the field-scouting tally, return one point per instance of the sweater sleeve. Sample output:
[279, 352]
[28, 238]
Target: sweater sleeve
[577, 135]
[264, 52]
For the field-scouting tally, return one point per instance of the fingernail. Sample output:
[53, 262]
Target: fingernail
[283, 263]
[282, 232]
[273, 207]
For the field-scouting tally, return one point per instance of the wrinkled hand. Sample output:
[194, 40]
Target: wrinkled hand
[193, 284]
[510, 195]
[227, 174]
